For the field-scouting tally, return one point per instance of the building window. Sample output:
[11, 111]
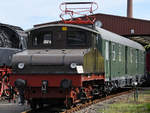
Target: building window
[113, 52]
[119, 53]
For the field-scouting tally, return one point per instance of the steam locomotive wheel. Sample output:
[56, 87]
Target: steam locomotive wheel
[6, 92]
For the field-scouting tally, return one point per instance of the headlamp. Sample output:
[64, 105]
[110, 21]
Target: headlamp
[73, 65]
[21, 65]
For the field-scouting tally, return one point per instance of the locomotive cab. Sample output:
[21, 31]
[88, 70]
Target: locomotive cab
[59, 37]
[57, 49]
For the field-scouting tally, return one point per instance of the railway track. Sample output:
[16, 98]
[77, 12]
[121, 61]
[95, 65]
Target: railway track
[52, 109]
[82, 106]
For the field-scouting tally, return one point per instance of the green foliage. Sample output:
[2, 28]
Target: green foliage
[129, 105]
[147, 47]
[127, 108]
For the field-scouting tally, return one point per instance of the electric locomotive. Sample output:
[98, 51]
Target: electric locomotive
[75, 63]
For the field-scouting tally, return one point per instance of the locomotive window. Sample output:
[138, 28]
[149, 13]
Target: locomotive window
[76, 38]
[47, 39]
[119, 53]
[113, 52]
[137, 59]
[107, 50]
[142, 57]
[42, 39]
[131, 55]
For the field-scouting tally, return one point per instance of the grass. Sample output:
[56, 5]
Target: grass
[129, 105]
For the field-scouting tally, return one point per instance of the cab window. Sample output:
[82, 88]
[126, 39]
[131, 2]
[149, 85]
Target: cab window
[76, 38]
[43, 39]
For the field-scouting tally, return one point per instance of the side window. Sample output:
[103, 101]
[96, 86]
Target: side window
[137, 60]
[120, 53]
[113, 52]
[131, 55]
[107, 50]
[142, 57]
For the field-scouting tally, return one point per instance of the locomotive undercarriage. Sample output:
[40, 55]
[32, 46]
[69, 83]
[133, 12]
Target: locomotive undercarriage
[123, 83]
[50, 89]
[53, 89]
[88, 91]
[69, 97]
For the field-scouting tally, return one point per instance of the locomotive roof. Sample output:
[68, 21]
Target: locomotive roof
[67, 25]
[20, 32]
[110, 36]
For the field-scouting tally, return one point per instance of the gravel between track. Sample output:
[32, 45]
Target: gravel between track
[104, 105]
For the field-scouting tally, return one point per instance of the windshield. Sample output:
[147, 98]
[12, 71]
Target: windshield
[59, 38]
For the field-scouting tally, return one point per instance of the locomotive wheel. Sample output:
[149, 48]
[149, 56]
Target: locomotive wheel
[106, 90]
[6, 92]
[33, 104]
[69, 103]
[40, 105]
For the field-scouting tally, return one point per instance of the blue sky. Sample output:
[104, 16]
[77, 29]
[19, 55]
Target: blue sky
[26, 13]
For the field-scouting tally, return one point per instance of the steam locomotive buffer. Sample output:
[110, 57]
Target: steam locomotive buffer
[74, 61]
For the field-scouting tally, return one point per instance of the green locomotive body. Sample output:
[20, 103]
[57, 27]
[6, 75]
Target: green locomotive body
[120, 59]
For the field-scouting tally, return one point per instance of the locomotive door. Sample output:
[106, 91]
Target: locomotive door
[59, 40]
[107, 60]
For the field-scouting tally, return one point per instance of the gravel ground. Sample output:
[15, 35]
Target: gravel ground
[6, 107]
[104, 105]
